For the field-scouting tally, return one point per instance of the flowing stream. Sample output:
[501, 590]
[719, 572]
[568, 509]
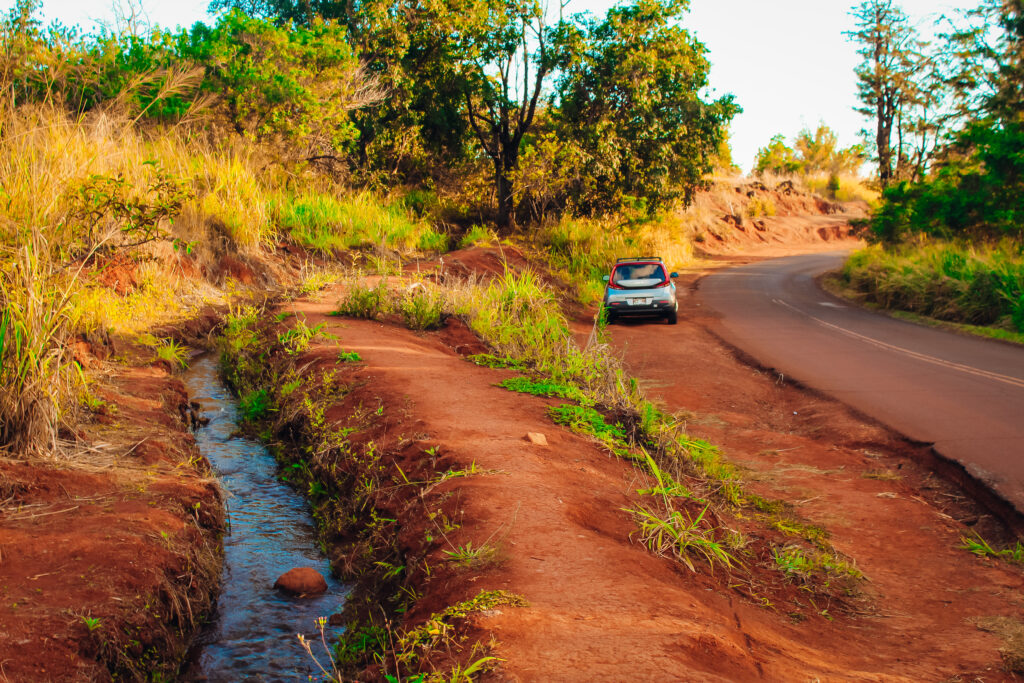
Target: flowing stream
[253, 633]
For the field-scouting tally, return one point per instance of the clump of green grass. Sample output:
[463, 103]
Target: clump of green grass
[349, 357]
[173, 353]
[422, 308]
[364, 301]
[476, 236]
[543, 387]
[980, 547]
[488, 360]
[326, 223]
[468, 556]
[799, 563]
[679, 534]
[37, 379]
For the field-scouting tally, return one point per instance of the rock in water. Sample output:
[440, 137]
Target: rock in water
[301, 581]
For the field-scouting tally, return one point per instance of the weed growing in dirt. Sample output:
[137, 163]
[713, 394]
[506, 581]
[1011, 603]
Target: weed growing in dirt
[982, 548]
[495, 362]
[468, 556]
[802, 564]
[543, 387]
[349, 357]
[175, 354]
[296, 339]
[679, 534]
[92, 623]
[478, 235]
[422, 308]
[363, 301]
[882, 475]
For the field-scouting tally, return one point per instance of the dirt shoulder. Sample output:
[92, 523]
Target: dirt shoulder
[598, 605]
[109, 560]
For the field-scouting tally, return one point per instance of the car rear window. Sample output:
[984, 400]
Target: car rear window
[638, 274]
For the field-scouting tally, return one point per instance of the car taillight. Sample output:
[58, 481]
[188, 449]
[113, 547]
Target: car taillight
[666, 283]
[612, 285]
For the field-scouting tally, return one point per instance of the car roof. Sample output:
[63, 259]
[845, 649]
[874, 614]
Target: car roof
[640, 259]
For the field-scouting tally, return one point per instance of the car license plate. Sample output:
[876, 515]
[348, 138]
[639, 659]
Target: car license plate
[637, 301]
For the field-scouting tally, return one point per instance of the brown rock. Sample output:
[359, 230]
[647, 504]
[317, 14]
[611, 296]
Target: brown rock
[538, 439]
[301, 581]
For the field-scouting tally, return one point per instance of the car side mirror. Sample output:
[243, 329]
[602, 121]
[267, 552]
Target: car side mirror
[674, 275]
[605, 278]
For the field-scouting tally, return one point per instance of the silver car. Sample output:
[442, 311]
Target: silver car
[640, 286]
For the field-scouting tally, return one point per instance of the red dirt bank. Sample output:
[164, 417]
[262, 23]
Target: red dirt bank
[600, 606]
[108, 564]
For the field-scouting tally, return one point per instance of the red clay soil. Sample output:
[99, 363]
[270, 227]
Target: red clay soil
[601, 607]
[124, 537]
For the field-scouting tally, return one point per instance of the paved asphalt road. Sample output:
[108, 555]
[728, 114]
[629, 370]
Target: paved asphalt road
[963, 394]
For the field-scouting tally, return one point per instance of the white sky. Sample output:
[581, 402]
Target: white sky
[787, 61]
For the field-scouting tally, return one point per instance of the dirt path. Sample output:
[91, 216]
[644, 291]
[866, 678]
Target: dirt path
[601, 608]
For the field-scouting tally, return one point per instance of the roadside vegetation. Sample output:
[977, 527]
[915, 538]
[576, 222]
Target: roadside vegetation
[948, 236]
[149, 176]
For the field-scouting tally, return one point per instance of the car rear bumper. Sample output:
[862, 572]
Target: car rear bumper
[624, 308]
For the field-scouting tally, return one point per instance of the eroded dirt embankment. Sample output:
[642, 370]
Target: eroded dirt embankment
[110, 556]
[596, 604]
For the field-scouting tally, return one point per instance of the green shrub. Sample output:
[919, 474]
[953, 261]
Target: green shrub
[422, 308]
[979, 285]
[363, 301]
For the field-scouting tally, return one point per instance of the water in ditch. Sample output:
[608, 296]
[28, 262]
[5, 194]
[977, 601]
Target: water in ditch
[253, 634]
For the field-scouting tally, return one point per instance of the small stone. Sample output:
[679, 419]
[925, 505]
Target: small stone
[536, 438]
[301, 581]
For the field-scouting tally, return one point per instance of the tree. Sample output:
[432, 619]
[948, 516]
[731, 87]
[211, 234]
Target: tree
[887, 84]
[504, 58]
[813, 152]
[630, 99]
[776, 157]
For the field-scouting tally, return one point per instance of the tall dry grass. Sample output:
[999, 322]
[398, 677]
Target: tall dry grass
[36, 379]
[85, 195]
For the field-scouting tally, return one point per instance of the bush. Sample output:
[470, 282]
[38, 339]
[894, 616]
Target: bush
[966, 284]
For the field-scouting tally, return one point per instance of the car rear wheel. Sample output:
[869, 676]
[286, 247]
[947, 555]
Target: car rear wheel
[671, 317]
[610, 318]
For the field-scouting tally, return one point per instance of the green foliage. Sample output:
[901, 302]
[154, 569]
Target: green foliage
[631, 102]
[255, 405]
[422, 308]
[364, 301]
[679, 534]
[802, 564]
[977, 285]
[587, 420]
[490, 361]
[813, 152]
[477, 235]
[327, 224]
[977, 192]
[173, 353]
[982, 548]
[296, 339]
[109, 212]
[287, 83]
[349, 357]
[543, 387]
